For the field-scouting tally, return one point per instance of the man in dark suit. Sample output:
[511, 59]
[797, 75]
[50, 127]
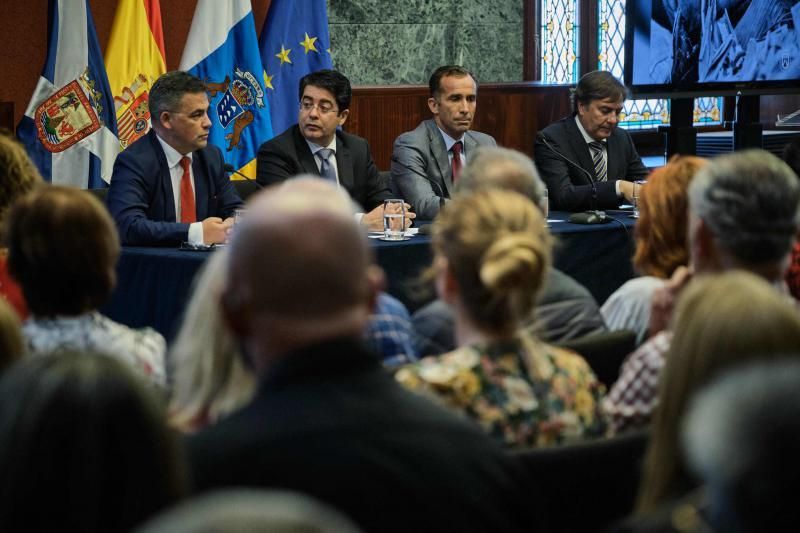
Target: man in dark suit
[327, 420]
[170, 186]
[315, 146]
[426, 161]
[584, 159]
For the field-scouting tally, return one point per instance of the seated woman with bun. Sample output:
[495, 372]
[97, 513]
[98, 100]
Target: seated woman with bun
[491, 254]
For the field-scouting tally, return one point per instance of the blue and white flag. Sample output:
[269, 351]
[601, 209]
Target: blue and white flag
[69, 127]
[294, 42]
[222, 50]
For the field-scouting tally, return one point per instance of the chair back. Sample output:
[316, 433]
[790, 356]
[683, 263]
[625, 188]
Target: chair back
[604, 352]
[587, 486]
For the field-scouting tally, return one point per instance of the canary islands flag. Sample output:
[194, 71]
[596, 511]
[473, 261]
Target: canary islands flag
[135, 58]
[294, 42]
[69, 128]
[222, 50]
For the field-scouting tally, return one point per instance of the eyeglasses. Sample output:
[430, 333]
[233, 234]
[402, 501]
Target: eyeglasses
[322, 107]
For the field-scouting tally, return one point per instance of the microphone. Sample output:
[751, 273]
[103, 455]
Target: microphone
[546, 141]
[230, 170]
[425, 177]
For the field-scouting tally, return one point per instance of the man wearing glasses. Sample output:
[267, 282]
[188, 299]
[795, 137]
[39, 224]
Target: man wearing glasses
[170, 186]
[315, 146]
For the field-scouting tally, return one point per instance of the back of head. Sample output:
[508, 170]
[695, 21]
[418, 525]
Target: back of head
[721, 321]
[233, 511]
[332, 81]
[82, 439]
[791, 155]
[598, 85]
[750, 201]
[742, 435]
[455, 71]
[661, 240]
[18, 175]
[492, 167]
[300, 259]
[498, 249]
[168, 90]
[62, 249]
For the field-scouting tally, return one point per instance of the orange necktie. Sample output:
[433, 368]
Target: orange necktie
[188, 214]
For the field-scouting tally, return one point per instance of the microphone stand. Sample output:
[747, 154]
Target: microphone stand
[593, 183]
[230, 170]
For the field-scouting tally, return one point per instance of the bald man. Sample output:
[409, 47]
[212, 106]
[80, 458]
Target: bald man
[327, 420]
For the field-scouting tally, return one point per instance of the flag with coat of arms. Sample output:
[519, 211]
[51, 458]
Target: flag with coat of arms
[69, 128]
[222, 50]
[294, 42]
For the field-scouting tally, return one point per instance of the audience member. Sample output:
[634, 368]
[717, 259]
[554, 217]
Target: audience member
[564, 309]
[83, 447]
[326, 420]
[491, 252]
[586, 161]
[251, 511]
[427, 161]
[316, 146]
[791, 154]
[661, 244]
[744, 210]
[720, 322]
[170, 186]
[209, 377]
[62, 250]
[742, 434]
[18, 175]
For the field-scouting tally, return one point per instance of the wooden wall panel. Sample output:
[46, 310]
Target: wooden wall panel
[510, 112]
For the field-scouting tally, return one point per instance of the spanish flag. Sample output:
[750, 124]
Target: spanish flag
[134, 60]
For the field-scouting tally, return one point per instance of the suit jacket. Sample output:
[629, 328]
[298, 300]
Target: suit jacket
[288, 155]
[141, 200]
[569, 187]
[329, 422]
[422, 152]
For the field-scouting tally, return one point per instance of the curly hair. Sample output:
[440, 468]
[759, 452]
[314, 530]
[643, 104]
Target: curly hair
[18, 175]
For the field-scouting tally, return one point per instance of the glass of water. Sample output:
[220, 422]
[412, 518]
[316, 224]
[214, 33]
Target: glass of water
[544, 205]
[637, 191]
[394, 219]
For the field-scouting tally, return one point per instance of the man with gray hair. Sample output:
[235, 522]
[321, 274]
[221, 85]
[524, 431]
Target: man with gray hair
[564, 309]
[744, 213]
[327, 420]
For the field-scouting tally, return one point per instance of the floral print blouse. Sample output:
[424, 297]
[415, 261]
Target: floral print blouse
[522, 391]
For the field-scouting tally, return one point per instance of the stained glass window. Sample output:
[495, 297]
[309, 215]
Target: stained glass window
[559, 39]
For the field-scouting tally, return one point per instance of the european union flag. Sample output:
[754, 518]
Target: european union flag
[69, 127]
[222, 50]
[294, 42]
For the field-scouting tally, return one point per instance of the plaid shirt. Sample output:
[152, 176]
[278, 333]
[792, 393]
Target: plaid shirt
[389, 332]
[634, 396]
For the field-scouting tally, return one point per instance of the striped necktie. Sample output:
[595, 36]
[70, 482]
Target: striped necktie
[326, 170]
[597, 148]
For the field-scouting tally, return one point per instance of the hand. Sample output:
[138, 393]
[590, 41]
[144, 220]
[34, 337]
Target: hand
[663, 302]
[374, 219]
[626, 188]
[215, 230]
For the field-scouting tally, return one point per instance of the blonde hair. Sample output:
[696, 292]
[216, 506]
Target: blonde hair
[210, 379]
[498, 249]
[720, 322]
[18, 175]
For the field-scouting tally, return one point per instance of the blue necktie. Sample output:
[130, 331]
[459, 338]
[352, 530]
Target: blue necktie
[326, 170]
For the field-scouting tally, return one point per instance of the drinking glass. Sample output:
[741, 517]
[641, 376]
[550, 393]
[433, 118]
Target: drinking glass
[637, 191]
[544, 205]
[394, 219]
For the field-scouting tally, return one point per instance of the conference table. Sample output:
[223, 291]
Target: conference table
[153, 284]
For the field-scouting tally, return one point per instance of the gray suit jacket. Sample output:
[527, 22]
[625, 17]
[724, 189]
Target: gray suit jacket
[423, 152]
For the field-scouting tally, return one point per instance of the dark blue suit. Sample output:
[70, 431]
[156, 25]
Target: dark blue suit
[140, 196]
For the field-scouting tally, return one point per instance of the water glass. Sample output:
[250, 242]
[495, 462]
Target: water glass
[544, 205]
[637, 191]
[394, 219]
[238, 216]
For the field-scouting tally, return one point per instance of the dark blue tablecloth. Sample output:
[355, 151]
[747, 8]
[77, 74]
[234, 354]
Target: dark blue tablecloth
[153, 284]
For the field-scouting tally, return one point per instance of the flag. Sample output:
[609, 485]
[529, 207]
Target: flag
[69, 128]
[134, 60]
[294, 42]
[222, 50]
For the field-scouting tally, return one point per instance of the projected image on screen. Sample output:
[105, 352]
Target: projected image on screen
[685, 42]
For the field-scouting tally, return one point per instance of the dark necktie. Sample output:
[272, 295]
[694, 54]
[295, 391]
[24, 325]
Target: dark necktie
[600, 170]
[456, 149]
[326, 170]
[188, 214]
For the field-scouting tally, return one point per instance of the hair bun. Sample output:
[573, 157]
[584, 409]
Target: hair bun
[514, 261]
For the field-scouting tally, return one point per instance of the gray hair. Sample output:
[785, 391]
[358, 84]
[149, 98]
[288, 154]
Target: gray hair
[168, 90]
[749, 200]
[491, 167]
[741, 435]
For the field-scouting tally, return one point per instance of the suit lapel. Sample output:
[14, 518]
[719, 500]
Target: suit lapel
[579, 147]
[439, 154]
[163, 189]
[344, 164]
[304, 155]
[613, 162]
[201, 192]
